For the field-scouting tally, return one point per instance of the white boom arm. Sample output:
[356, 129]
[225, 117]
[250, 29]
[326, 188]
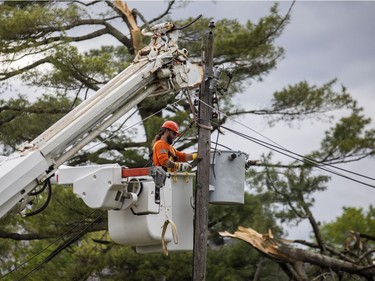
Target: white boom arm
[159, 68]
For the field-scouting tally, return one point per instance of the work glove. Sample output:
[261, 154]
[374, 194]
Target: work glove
[194, 156]
[181, 166]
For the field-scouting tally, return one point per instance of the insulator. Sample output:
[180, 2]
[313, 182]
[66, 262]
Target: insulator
[214, 100]
[215, 115]
[196, 102]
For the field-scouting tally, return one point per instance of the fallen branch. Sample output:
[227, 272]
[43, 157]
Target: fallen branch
[280, 251]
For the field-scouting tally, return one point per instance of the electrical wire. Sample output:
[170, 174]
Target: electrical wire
[304, 160]
[63, 246]
[45, 248]
[313, 161]
[47, 183]
[278, 148]
[219, 144]
[216, 142]
[310, 159]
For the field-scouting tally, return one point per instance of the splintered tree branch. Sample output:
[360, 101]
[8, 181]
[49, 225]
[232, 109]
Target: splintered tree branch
[281, 252]
[130, 20]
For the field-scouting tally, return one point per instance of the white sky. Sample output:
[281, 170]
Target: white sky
[325, 40]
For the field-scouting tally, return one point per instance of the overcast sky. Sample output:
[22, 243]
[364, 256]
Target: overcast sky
[325, 40]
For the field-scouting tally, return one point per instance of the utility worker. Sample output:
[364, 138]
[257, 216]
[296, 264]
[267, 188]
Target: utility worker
[165, 155]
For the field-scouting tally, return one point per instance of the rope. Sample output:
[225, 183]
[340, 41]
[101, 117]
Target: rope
[174, 234]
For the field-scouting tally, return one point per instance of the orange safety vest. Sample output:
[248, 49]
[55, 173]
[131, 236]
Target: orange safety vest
[163, 151]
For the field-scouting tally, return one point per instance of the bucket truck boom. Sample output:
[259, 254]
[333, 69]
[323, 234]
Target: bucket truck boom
[159, 68]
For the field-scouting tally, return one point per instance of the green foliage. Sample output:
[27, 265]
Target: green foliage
[288, 191]
[296, 101]
[349, 140]
[21, 121]
[73, 70]
[31, 24]
[64, 222]
[355, 220]
[247, 50]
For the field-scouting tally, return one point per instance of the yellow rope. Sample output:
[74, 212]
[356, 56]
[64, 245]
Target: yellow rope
[174, 177]
[186, 177]
[174, 234]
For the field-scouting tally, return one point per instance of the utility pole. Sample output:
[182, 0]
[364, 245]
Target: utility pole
[203, 169]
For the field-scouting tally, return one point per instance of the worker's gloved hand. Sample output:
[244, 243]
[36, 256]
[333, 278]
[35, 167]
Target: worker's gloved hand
[182, 166]
[194, 156]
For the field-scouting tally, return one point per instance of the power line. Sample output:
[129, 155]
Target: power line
[278, 148]
[60, 248]
[320, 163]
[304, 160]
[52, 243]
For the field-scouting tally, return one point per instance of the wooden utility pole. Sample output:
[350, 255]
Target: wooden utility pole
[203, 169]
